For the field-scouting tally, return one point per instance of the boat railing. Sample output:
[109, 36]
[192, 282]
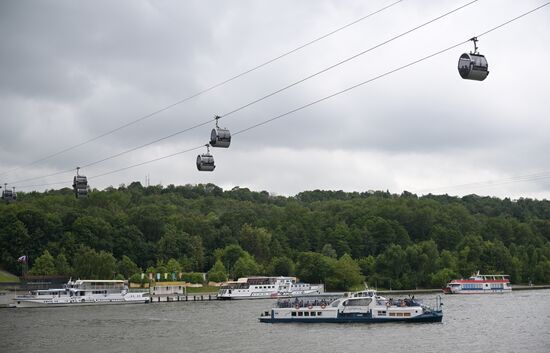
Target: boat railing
[437, 306]
[304, 302]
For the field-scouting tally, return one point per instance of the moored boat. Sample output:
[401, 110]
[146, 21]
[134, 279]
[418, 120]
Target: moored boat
[360, 307]
[266, 288]
[82, 292]
[479, 284]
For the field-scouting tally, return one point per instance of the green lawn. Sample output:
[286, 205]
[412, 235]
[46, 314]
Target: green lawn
[8, 277]
[203, 289]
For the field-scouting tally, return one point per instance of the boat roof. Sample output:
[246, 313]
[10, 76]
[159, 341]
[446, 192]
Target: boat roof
[246, 279]
[99, 281]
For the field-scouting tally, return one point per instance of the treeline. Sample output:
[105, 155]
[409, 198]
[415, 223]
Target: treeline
[334, 237]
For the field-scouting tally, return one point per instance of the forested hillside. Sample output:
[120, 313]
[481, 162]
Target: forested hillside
[402, 241]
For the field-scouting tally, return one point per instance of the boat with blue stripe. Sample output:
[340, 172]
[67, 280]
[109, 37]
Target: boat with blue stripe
[359, 307]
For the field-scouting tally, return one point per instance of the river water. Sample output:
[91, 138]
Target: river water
[514, 322]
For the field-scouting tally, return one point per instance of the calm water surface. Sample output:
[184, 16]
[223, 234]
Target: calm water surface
[516, 322]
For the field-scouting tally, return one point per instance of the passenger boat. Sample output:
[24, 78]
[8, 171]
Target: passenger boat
[479, 284]
[266, 287]
[82, 292]
[360, 307]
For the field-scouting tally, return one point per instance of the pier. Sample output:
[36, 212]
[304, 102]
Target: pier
[169, 298]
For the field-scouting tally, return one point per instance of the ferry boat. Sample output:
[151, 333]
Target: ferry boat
[82, 292]
[266, 287]
[479, 284]
[360, 307]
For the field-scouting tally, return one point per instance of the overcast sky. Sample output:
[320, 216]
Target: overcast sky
[72, 70]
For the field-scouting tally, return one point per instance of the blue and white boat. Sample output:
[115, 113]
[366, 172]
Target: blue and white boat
[360, 307]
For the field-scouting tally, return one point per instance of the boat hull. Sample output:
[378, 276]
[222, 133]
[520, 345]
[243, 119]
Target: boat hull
[480, 291]
[30, 304]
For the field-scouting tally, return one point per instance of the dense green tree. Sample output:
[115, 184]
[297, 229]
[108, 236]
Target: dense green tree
[62, 266]
[282, 266]
[231, 254]
[127, 267]
[256, 242]
[313, 267]
[345, 275]
[173, 267]
[245, 266]
[329, 251]
[43, 265]
[218, 272]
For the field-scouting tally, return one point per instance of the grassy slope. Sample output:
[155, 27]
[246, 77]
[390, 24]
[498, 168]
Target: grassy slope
[8, 277]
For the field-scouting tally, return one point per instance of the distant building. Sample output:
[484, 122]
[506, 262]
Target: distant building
[167, 288]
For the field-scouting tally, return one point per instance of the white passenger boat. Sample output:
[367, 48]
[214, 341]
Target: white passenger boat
[82, 292]
[266, 287]
[360, 307]
[479, 284]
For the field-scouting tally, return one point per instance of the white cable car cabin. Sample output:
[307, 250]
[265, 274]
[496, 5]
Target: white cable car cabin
[205, 161]
[473, 66]
[220, 137]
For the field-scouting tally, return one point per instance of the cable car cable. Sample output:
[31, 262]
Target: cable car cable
[321, 99]
[349, 58]
[210, 88]
[494, 182]
[272, 93]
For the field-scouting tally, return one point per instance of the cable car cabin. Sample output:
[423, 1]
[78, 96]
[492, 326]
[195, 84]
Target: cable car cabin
[80, 186]
[80, 193]
[220, 138]
[205, 162]
[473, 67]
[9, 195]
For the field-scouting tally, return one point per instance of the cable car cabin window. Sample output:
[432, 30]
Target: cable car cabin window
[464, 65]
[81, 193]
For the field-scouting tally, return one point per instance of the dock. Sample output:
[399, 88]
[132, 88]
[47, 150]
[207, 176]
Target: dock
[168, 298]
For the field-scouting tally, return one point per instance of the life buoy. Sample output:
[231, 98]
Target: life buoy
[323, 306]
[297, 306]
[310, 306]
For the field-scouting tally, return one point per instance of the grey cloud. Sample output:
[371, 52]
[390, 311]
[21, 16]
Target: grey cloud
[71, 71]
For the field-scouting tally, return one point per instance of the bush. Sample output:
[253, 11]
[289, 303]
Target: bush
[136, 278]
[193, 277]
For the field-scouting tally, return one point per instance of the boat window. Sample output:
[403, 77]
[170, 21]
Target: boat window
[382, 313]
[313, 313]
[359, 302]
[293, 313]
[319, 313]
[306, 313]
[335, 303]
[300, 313]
